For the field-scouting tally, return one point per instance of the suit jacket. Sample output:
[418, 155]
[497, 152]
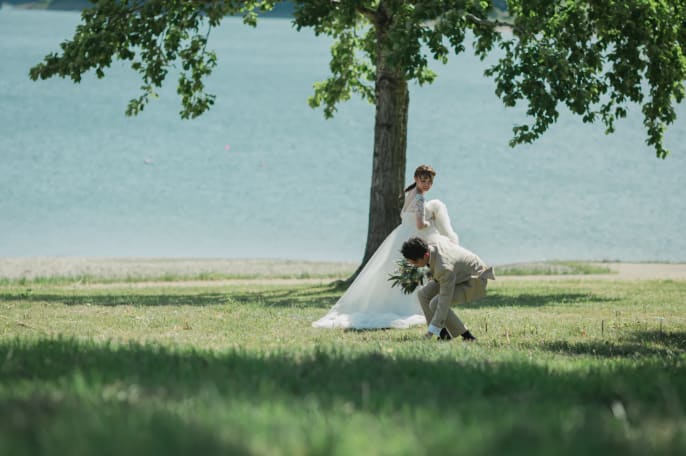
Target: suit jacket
[455, 268]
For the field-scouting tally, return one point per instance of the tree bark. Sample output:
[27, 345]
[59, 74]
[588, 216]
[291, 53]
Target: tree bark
[390, 143]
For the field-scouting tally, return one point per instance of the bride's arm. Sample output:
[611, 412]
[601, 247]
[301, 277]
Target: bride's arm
[420, 212]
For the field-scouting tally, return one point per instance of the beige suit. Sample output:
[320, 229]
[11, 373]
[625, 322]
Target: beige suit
[459, 276]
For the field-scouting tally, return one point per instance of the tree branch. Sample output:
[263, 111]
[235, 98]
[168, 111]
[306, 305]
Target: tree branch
[366, 12]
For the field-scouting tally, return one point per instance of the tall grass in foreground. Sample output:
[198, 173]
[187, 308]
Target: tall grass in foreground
[570, 367]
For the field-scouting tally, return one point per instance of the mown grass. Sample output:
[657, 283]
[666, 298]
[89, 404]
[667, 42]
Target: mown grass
[554, 268]
[564, 367]
[542, 268]
[89, 279]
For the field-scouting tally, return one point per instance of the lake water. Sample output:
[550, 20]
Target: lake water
[263, 175]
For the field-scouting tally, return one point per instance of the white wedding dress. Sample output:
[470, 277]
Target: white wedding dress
[371, 301]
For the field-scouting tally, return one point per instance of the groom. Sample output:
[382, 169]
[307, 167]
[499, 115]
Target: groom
[459, 277]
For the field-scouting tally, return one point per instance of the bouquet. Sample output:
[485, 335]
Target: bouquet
[408, 277]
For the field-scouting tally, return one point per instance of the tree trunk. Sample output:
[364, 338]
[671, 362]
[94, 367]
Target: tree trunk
[390, 144]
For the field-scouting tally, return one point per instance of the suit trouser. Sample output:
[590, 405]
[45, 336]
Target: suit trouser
[464, 292]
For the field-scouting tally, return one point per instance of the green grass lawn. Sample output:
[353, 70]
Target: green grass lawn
[565, 367]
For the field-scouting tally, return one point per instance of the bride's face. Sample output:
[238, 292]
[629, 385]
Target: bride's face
[424, 183]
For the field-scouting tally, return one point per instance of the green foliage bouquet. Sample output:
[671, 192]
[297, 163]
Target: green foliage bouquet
[408, 277]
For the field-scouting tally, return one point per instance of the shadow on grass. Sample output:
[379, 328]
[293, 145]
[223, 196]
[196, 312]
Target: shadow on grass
[67, 381]
[44, 424]
[330, 375]
[326, 296]
[494, 299]
[635, 345]
[320, 296]
[323, 296]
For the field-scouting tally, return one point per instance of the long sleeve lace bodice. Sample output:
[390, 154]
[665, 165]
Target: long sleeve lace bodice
[414, 202]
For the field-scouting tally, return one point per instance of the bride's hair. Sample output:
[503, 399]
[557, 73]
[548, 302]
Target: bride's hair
[422, 171]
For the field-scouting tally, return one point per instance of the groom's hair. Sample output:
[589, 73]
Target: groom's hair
[414, 248]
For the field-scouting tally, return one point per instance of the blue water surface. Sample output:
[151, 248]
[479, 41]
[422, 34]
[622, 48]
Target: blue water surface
[263, 175]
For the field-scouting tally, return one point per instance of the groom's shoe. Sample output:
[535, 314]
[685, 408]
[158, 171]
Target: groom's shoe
[467, 336]
[445, 335]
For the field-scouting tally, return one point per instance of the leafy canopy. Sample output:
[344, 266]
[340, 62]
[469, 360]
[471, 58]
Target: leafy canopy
[155, 35]
[597, 58]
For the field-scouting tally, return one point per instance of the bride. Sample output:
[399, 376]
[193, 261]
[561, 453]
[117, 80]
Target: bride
[370, 301]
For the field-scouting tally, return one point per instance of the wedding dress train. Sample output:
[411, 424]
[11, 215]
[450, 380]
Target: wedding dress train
[370, 301]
